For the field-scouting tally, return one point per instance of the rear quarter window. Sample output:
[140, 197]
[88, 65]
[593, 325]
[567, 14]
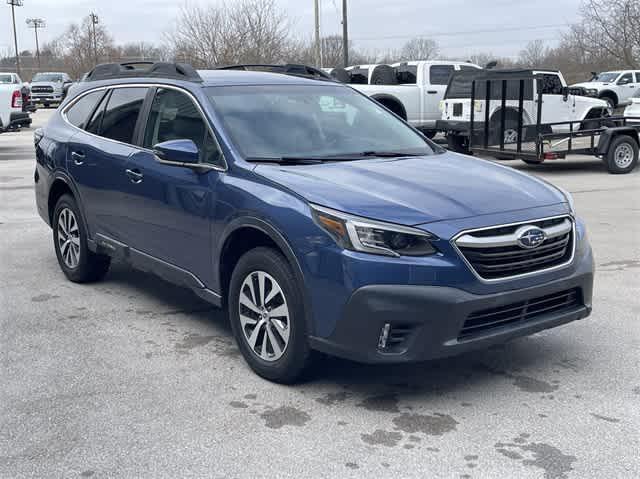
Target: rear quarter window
[121, 114]
[78, 113]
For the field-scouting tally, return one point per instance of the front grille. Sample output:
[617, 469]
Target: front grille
[495, 253]
[42, 89]
[457, 109]
[516, 313]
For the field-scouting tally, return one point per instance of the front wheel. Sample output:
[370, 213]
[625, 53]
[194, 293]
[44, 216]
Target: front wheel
[267, 314]
[622, 156]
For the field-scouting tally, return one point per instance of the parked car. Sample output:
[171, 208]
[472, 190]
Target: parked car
[13, 113]
[615, 87]
[318, 219]
[559, 105]
[50, 88]
[411, 90]
[633, 110]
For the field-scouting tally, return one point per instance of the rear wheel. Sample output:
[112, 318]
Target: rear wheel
[267, 315]
[622, 156]
[78, 263]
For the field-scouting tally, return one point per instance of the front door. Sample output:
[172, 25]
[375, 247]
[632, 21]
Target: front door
[626, 87]
[169, 207]
[555, 106]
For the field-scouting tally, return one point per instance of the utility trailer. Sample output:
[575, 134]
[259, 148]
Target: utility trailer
[511, 134]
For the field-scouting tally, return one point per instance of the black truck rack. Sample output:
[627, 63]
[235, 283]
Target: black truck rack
[286, 69]
[176, 71]
[534, 141]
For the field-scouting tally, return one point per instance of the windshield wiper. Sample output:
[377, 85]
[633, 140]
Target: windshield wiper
[376, 154]
[311, 160]
[287, 160]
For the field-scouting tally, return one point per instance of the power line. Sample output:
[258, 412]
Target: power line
[465, 32]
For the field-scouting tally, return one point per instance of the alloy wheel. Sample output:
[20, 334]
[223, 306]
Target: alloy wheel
[264, 316]
[69, 238]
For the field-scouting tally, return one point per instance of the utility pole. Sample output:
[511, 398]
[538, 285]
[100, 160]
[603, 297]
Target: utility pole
[36, 23]
[14, 4]
[317, 11]
[345, 35]
[94, 22]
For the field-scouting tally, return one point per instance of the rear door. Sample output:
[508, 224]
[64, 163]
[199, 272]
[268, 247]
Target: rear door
[170, 206]
[626, 87]
[98, 155]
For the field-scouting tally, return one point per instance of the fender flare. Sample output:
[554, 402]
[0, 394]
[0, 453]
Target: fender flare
[609, 92]
[387, 97]
[607, 136]
[283, 244]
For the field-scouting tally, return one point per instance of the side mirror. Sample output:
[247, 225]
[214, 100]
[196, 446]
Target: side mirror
[179, 152]
[565, 93]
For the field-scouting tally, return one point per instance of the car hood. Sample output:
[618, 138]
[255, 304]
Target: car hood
[412, 191]
[47, 83]
[591, 84]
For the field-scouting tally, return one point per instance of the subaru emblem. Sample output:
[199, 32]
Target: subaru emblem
[529, 237]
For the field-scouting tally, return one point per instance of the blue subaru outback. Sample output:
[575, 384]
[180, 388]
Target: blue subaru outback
[320, 220]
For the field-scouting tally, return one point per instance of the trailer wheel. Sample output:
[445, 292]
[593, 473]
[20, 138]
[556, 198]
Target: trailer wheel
[622, 156]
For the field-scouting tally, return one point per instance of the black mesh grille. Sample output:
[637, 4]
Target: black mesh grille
[515, 313]
[505, 261]
[42, 89]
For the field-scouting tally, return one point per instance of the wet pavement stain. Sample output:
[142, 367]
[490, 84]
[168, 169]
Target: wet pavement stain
[636, 390]
[191, 341]
[43, 297]
[330, 399]
[285, 416]
[550, 459]
[238, 405]
[381, 403]
[87, 474]
[382, 438]
[251, 397]
[532, 385]
[620, 265]
[431, 425]
[352, 465]
[605, 418]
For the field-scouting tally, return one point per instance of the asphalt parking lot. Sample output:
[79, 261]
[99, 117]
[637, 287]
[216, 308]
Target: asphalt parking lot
[134, 377]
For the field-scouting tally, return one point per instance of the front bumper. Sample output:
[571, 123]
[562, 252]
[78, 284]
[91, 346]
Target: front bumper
[20, 118]
[432, 318]
[46, 97]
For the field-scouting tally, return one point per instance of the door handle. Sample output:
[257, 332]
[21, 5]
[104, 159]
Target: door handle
[135, 176]
[78, 157]
[432, 92]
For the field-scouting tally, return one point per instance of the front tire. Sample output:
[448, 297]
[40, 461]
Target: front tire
[267, 314]
[622, 156]
[78, 263]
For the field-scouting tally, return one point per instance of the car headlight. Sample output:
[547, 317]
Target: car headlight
[369, 236]
[569, 199]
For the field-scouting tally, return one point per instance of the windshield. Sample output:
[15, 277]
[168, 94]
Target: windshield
[6, 78]
[50, 77]
[606, 77]
[276, 121]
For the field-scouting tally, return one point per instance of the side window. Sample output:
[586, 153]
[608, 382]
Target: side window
[93, 125]
[551, 85]
[439, 74]
[121, 113]
[466, 68]
[624, 79]
[407, 75]
[174, 116]
[78, 114]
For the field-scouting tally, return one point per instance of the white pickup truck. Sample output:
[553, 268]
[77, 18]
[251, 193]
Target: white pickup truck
[616, 87]
[558, 104]
[10, 99]
[412, 90]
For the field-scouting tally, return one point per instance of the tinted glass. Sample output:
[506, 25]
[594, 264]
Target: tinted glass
[121, 115]
[626, 78]
[93, 125]
[440, 74]
[466, 68]
[78, 114]
[606, 77]
[6, 79]
[551, 85]
[407, 75]
[47, 77]
[174, 116]
[320, 120]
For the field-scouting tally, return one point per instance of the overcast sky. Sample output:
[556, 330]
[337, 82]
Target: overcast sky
[461, 27]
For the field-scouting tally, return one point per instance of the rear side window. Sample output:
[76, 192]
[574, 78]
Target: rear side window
[121, 113]
[407, 74]
[439, 74]
[78, 114]
[551, 85]
[174, 116]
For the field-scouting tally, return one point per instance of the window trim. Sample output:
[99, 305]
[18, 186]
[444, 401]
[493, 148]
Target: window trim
[144, 113]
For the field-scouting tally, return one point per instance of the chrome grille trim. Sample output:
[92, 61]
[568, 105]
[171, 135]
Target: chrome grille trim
[479, 242]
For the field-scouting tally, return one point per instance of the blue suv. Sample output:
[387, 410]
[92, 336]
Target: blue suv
[320, 220]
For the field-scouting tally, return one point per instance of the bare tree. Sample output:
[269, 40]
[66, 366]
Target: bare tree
[535, 54]
[419, 49]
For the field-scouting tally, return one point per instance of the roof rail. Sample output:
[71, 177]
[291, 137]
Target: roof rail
[176, 71]
[286, 69]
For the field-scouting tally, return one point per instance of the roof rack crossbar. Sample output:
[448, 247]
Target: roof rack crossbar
[142, 69]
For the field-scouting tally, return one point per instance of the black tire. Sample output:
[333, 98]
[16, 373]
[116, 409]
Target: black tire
[622, 156]
[384, 75]
[90, 266]
[296, 357]
[458, 143]
[341, 75]
[46, 105]
[532, 162]
[610, 100]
